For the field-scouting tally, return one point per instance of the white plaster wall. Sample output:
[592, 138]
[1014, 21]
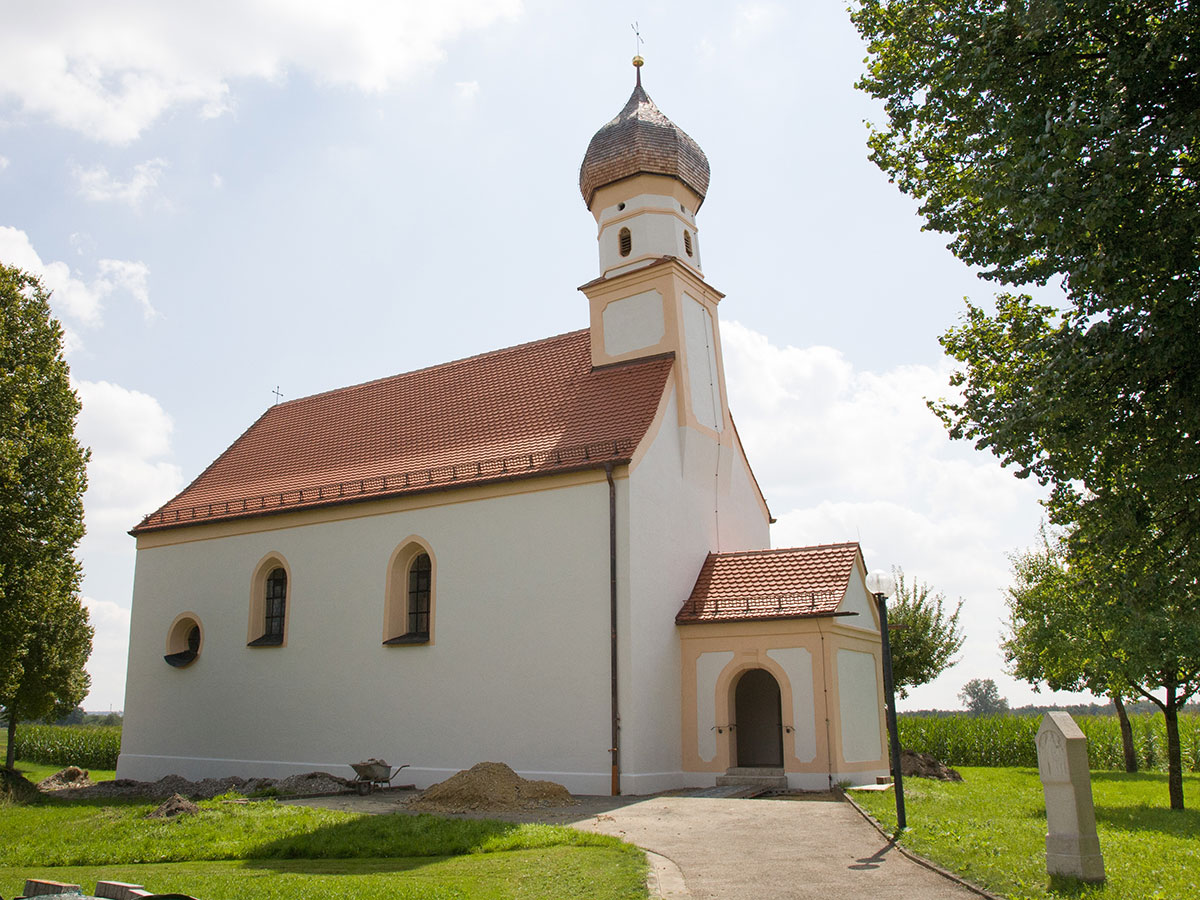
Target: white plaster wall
[797, 663]
[703, 383]
[656, 225]
[708, 668]
[676, 516]
[858, 699]
[858, 600]
[518, 672]
[632, 323]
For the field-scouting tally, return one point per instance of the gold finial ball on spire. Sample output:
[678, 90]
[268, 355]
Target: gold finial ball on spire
[638, 62]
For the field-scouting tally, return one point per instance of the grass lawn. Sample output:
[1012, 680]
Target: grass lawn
[991, 829]
[230, 851]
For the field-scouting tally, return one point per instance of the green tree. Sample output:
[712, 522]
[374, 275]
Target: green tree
[1070, 634]
[924, 635]
[1051, 139]
[45, 638]
[981, 697]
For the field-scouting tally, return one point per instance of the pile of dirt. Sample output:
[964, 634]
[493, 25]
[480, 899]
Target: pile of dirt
[70, 777]
[175, 805]
[922, 765]
[312, 783]
[490, 786]
[207, 788]
[15, 786]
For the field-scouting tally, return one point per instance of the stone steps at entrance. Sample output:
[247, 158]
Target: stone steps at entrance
[767, 778]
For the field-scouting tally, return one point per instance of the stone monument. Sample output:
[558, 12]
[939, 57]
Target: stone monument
[1072, 846]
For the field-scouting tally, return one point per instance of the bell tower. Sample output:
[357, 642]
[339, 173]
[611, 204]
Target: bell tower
[644, 180]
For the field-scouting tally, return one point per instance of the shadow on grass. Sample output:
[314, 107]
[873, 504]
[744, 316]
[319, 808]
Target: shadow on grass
[1184, 823]
[1064, 886]
[388, 866]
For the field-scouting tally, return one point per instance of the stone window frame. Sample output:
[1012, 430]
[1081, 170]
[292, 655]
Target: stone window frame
[396, 631]
[257, 634]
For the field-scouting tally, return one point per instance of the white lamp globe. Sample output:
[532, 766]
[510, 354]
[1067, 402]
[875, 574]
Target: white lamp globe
[879, 582]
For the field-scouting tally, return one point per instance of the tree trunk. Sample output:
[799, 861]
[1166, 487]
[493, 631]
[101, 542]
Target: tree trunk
[1131, 762]
[10, 755]
[1174, 757]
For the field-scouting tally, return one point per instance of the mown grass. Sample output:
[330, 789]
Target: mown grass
[991, 829]
[86, 746]
[1008, 740]
[556, 873]
[264, 850]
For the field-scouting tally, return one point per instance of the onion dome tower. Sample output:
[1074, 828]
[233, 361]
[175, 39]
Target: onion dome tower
[643, 179]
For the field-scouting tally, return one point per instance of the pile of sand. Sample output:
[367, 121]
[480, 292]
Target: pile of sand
[175, 805]
[70, 777]
[923, 765]
[490, 786]
[312, 783]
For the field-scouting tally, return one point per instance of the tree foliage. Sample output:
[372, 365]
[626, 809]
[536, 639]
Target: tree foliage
[923, 634]
[45, 637]
[981, 697]
[1067, 630]
[1059, 138]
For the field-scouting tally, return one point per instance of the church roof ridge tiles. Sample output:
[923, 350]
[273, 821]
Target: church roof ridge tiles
[536, 408]
[785, 583]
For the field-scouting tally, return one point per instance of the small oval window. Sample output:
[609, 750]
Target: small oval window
[625, 241]
[687, 242]
[183, 642]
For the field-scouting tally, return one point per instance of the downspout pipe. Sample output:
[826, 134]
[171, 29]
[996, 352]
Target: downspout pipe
[612, 617]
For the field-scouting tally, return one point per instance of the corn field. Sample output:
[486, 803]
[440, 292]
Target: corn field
[1009, 740]
[86, 746]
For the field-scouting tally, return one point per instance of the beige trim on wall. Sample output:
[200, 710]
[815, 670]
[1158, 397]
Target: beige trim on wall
[361, 509]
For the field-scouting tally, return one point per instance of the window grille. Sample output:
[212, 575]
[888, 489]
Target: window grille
[625, 239]
[420, 579]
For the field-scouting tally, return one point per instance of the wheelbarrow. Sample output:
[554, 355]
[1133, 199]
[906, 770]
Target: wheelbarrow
[374, 773]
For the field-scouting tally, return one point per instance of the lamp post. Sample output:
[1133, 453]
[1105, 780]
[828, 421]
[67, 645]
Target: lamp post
[883, 585]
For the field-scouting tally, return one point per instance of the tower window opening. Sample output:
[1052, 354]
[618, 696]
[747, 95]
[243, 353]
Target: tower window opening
[625, 241]
[687, 242]
[621, 206]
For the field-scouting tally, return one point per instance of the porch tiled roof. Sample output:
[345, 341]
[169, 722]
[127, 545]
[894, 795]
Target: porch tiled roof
[529, 410]
[771, 584]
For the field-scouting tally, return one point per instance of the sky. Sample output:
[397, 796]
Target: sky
[233, 198]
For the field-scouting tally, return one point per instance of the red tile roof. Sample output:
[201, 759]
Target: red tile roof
[529, 410]
[771, 584]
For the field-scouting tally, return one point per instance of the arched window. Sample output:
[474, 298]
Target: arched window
[268, 604]
[408, 611]
[625, 241]
[687, 242]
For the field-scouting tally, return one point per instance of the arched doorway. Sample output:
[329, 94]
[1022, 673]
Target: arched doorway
[759, 717]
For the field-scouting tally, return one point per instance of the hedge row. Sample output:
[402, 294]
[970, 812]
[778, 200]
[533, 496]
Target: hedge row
[86, 746]
[1009, 740]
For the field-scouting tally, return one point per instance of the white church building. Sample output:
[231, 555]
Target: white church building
[553, 555]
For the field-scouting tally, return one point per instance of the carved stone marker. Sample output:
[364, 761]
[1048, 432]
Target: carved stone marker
[1072, 847]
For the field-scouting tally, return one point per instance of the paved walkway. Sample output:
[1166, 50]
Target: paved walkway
[770, 850]
[722, 849]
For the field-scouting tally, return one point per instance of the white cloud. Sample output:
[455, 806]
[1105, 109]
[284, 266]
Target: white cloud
[97, 185]
[110, 70]
[130, 473]
[110, 649]
[3, 163]
[466, 90]
[217, 181]
[846, 454]
[755, 20]
[129, 276]
[72, 298]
